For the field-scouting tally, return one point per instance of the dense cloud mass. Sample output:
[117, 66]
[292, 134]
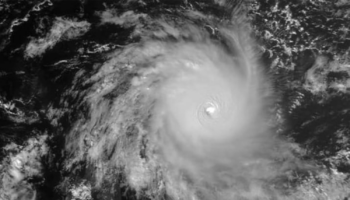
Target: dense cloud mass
[208, 107]
[208, 110]
[199, 106]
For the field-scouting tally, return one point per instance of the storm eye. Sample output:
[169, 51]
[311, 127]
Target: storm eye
[208, 113]
[210, 109]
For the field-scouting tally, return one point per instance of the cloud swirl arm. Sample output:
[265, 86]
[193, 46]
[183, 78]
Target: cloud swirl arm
[182, 113]
[209, 106]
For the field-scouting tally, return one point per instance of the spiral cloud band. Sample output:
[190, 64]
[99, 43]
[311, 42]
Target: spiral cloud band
[184, 116]
[210, 104]
[209, 111]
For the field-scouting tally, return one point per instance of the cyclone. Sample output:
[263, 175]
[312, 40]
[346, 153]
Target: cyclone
[180, 112]
[209, 104]
[174, 100]
[179, 109]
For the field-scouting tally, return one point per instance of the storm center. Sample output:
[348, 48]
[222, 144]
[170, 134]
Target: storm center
[210, 109]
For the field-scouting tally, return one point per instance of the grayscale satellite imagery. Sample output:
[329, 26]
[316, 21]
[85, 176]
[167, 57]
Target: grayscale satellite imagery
[174, 99]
